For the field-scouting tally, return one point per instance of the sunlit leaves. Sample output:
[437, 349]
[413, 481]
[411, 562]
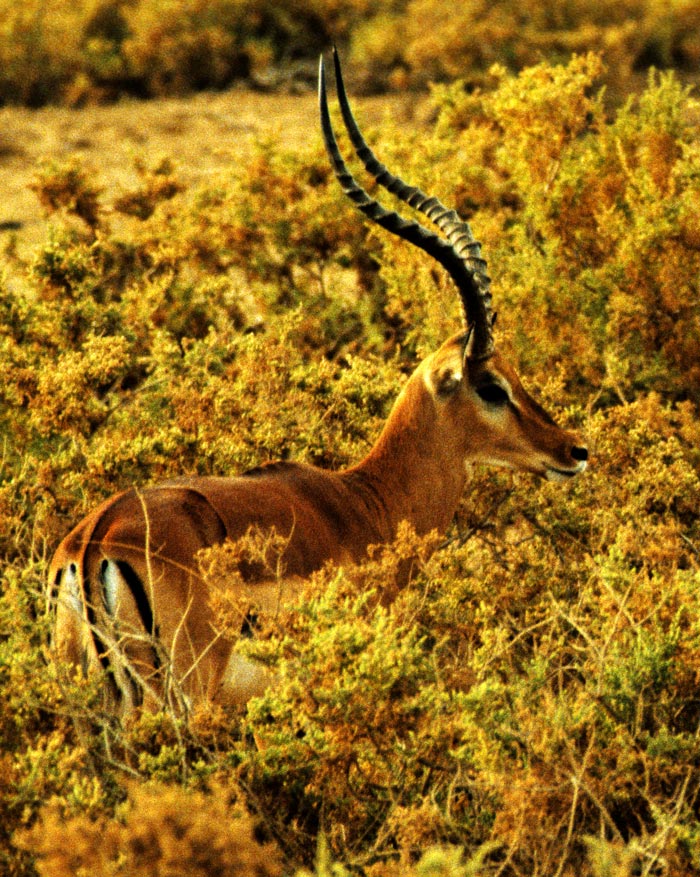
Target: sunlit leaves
[536, 684]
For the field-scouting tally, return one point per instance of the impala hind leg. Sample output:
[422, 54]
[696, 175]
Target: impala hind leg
[69, 641]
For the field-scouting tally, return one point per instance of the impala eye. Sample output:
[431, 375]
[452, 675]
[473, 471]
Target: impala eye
[493, 393]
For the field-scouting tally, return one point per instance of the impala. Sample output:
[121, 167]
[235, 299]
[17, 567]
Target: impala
[129, 597]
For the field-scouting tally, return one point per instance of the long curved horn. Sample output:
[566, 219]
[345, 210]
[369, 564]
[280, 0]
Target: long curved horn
[460, 254]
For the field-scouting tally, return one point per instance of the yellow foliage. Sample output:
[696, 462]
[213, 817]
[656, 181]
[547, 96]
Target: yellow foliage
[535, 685]
[164, 830]
[96, 50]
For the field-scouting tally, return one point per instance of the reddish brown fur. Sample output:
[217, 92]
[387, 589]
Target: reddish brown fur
[415, 472]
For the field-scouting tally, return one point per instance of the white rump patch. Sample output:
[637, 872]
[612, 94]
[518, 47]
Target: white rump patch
[111, 579]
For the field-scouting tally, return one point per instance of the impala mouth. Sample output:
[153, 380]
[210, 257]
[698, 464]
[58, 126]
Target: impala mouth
[552, 473]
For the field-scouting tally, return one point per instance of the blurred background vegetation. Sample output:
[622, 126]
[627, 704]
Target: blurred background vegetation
[97, 50]
[529, 706]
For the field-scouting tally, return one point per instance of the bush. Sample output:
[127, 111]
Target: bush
[165, 830]
[96, 50]
[529, 704]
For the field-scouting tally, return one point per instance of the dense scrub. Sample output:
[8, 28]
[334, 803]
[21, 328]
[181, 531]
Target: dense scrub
[93, 50]
[529, 705]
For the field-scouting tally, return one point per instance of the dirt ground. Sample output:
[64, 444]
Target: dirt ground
[203, 133]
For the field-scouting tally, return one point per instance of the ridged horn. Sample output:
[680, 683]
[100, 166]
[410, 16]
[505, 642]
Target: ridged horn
[459, 253]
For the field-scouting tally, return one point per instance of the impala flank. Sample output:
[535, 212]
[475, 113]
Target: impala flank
[128, 597]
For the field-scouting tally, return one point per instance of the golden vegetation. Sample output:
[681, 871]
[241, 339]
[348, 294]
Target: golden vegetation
[528, 706]
[96, 50]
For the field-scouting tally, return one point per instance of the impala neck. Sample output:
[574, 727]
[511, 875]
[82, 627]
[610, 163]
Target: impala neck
[416, 470]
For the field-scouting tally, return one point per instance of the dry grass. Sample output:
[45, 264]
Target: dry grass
[205, 134]
[532, 698]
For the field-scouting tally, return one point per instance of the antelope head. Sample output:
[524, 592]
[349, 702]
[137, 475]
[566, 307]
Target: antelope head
[477, 394]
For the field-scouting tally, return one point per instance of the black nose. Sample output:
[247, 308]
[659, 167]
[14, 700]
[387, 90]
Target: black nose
[579, 454]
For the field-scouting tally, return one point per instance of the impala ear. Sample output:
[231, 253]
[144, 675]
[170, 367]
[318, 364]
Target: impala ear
[469, 340]
[444, 380]
[468, 344]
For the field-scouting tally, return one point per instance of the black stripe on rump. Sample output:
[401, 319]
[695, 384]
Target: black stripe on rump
[143, 605]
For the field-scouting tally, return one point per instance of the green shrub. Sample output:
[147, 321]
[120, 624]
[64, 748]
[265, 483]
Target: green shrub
[529, 704]
[97, 50]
